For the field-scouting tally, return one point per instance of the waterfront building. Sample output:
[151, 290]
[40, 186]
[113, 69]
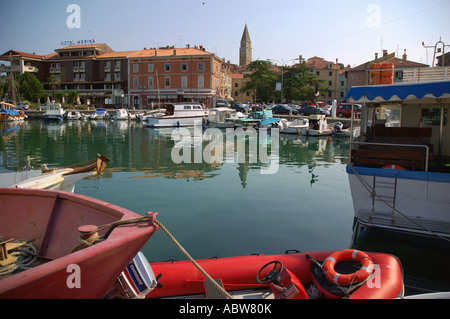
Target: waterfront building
[360, 75]
[169, 74]
[333, 76]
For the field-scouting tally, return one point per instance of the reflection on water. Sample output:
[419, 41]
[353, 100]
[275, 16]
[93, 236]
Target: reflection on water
[222, 208]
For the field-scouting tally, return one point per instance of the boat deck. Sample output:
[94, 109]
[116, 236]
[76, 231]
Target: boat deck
[400, 222]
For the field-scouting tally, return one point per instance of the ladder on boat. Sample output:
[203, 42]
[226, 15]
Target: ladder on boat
[384, 192]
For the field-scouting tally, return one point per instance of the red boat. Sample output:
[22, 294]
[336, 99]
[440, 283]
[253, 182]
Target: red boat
[48, 224]
[342, 274]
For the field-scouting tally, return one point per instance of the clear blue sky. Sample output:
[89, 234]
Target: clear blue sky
[350, 30]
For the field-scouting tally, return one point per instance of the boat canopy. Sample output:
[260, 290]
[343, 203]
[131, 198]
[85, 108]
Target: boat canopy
[10, 112]
[398, 92]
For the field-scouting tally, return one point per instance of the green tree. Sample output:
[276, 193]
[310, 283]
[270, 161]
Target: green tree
[73, 96]
[261, 80]
[29, 86]
[301, 84]
[53, 81]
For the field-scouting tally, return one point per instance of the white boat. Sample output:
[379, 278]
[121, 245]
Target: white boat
[99, 114]
[340, 131]
[222, 117]
[178, 115]
[122, 115]
[295, 126]
[318, 126]
[73, 115]
[56, 179]
[399, 176]
[54, 112]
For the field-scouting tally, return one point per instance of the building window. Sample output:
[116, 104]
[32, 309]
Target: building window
[167, 67]
[184, 66]
[107, 76]
[318, 72]
[150, 82]
[167, 81]
[330, 73]
[330, 83]
[150, 67]
[135, 68]
[136, 83]
[117, 77]
[201, 66]
[184, 82]
[201, 82]
[236, 85]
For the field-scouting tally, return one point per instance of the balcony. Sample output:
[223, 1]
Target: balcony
[426, 74]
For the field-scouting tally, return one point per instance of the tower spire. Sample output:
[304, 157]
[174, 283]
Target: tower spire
[245, 51]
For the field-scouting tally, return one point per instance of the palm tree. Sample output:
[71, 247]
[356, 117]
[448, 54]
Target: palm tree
[54, 82]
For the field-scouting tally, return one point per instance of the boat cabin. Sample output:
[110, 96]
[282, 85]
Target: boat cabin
[403, 125]
[184, 109]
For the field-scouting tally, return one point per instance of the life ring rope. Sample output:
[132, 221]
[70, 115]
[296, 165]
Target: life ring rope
[346, 279]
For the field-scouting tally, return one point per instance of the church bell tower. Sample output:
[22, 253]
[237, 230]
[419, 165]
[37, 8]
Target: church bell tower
[245, 51]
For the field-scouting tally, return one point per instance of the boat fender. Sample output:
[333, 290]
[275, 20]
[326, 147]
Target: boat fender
[346, 279]
[394, 166]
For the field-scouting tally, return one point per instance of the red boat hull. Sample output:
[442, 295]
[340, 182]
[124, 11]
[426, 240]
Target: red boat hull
[51, 219]
[236, 273]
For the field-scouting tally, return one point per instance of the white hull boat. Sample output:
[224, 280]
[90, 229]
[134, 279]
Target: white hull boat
[55, 179]
[178, 115]
[399, 176]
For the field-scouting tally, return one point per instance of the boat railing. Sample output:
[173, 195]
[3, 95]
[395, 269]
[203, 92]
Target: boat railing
[375, 156]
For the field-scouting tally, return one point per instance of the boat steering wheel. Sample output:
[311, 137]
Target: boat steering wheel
[273, 276]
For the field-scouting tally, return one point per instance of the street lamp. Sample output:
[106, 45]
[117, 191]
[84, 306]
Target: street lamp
[282, 63]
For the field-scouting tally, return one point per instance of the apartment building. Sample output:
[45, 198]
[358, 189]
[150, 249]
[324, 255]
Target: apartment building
[169, 74]
[333, 76]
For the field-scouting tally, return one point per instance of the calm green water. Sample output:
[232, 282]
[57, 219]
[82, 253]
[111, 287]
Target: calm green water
[219, 209]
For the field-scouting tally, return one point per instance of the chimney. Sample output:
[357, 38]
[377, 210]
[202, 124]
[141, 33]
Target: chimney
[404, 55]
[156, 52]
[385, 53]
[376, 55]
[174, 52]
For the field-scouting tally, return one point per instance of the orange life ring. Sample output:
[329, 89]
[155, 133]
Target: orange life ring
[393, 166]
[346, 279]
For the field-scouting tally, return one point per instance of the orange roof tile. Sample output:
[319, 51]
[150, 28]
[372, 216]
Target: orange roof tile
[147, 53]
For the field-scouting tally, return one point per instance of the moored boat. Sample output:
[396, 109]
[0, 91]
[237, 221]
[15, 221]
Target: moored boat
[54, 263]
[318, 126]
[222, 117]
[54, 112]
[73, 115]
[178, 115]
[99, 114]
[293, 275]
[295, 126]
[398, 171]
[54, 178]
[122, 115]
[9, 113]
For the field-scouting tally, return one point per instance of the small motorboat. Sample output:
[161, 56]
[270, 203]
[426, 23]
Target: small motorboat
[57, 244]
[318, 126]
[99, 114]
[73, 115]
[54, 178]
[295, 126]
[348, 274]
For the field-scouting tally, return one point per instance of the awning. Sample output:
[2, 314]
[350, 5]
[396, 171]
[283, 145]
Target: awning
[398, 92]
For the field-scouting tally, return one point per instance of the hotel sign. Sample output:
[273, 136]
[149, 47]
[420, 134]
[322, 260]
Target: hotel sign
[77, 42]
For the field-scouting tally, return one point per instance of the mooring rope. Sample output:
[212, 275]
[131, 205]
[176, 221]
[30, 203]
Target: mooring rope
[94, 238]
[219, 287]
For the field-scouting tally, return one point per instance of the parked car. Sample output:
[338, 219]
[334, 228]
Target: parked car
[283, 109]
[22, 106]
[345, 110]
[311, 109]
[238, 107]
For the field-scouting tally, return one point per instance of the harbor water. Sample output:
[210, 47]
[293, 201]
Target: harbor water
[228, 207]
